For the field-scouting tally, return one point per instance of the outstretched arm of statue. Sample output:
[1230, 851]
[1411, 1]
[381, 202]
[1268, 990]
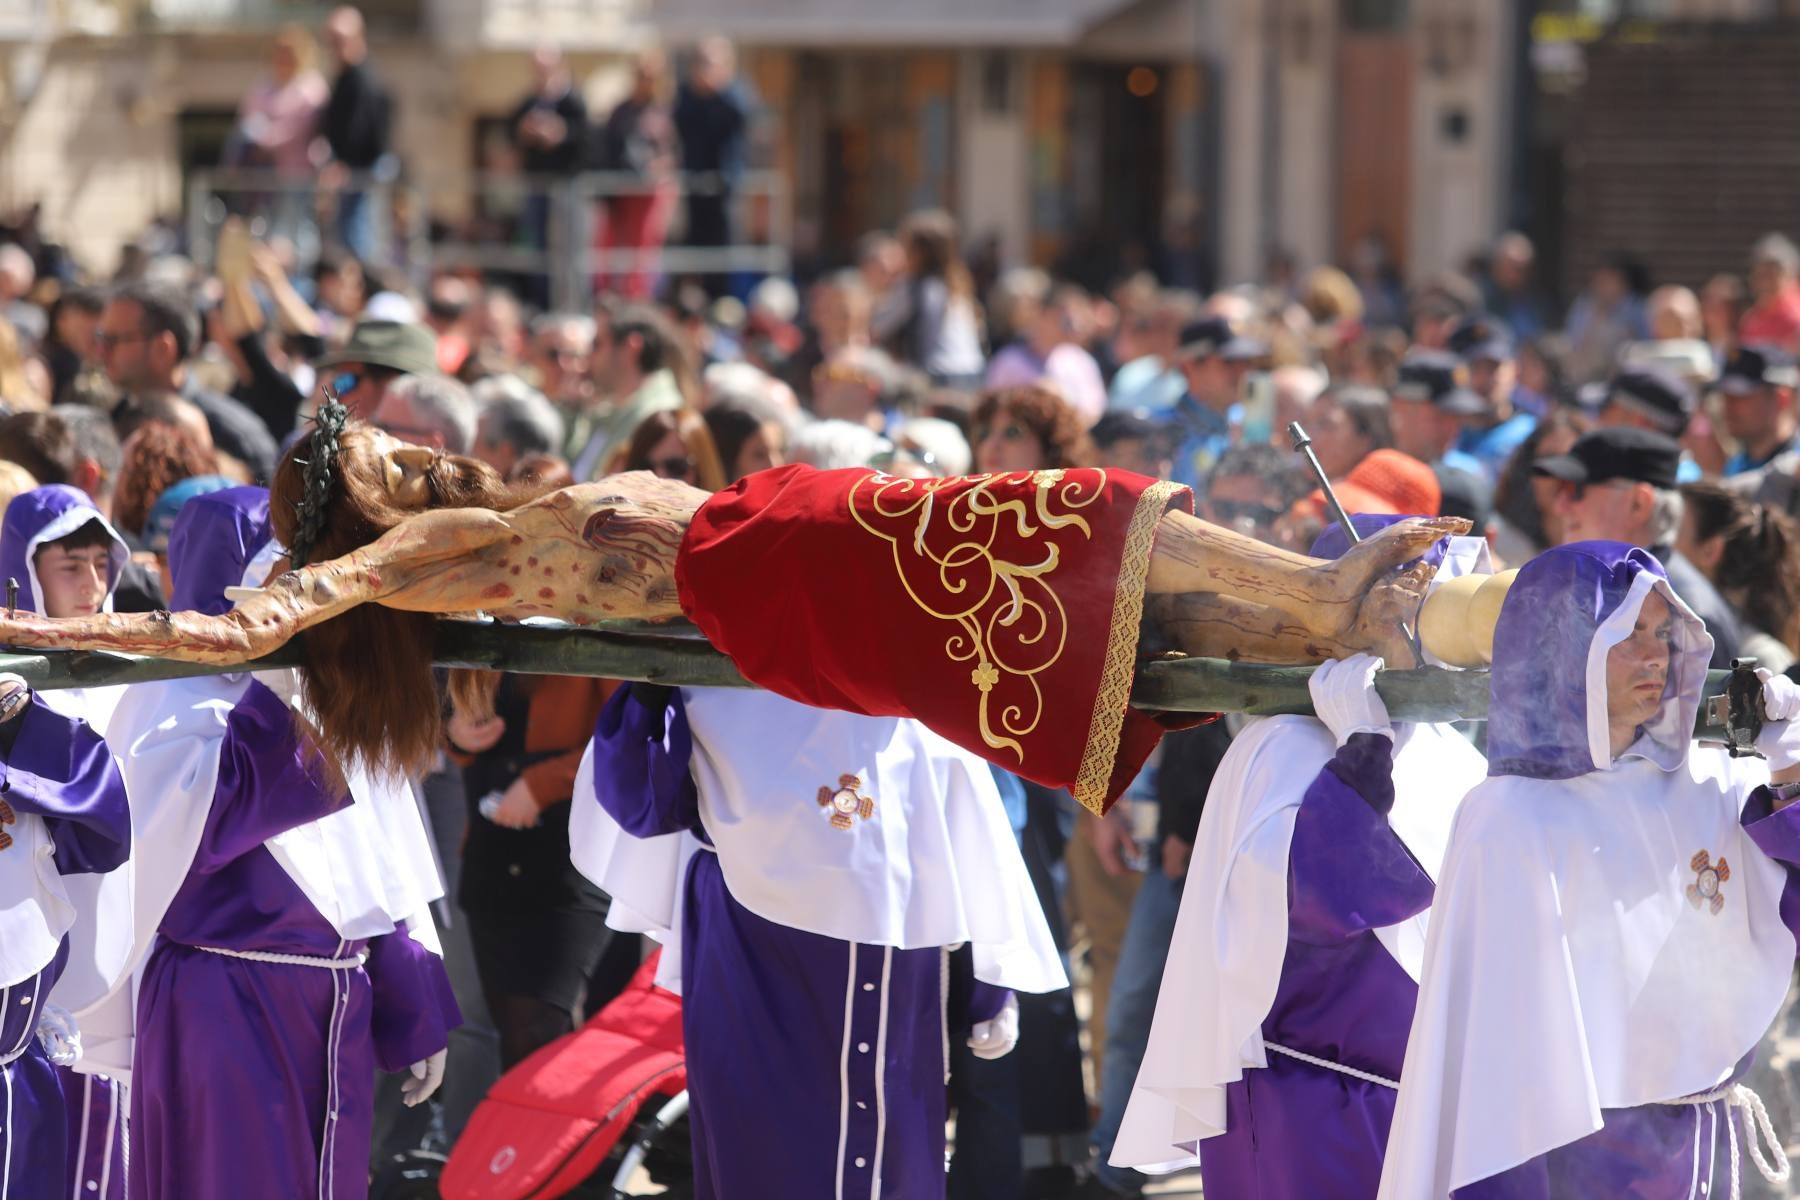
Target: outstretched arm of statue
[1229, 596]
[400, 563]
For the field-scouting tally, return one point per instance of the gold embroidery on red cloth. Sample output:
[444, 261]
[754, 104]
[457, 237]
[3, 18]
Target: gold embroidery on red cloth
[7, 817]
[1011, 624]
[1709, 881]
[846, 802]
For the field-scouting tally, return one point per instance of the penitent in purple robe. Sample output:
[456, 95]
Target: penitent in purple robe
[96, 1130]
[1658, 1151]
[57, 769]
[1295, 1129]
[257, 1078]
[816, 1067]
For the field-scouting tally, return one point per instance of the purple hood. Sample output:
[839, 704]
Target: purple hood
[1547, 694]
[43, 515]
[214, 538]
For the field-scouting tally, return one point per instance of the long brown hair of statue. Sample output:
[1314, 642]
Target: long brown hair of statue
[367, 673]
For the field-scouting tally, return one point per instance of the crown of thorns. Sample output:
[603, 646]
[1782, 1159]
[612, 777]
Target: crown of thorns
[321, 471]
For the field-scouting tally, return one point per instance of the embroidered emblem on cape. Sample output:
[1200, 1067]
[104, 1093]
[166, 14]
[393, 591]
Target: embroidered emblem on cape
[1709, 879]
[7, 817]
[846, 803]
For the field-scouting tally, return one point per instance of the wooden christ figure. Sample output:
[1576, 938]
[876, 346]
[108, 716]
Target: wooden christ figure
[1002, 610]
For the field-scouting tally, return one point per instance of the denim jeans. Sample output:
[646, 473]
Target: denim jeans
[1136, 983]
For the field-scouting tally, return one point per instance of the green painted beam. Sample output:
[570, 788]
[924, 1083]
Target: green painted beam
[675, 653]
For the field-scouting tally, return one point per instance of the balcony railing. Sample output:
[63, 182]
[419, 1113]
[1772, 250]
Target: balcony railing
[564, 239]
[571, 24]
[392, 17]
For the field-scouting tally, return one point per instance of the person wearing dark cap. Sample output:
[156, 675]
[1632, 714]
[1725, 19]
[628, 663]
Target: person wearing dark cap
[1619, 485]
[1490, 437]
[1651, 398]
[1645, 398]
[1757, 385]
[1133, 441]
[1431, 400]
[376, 354]
[1213, 360]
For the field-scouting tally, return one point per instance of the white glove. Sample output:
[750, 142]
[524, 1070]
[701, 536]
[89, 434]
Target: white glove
[1779, 740]
[283, 681]
[1344, 697]
[996, 1038]
[427, 1074]
[14, 694]
[60, 1036]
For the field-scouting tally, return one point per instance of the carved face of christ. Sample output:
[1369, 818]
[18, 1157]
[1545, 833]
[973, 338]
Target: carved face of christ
[403, 469]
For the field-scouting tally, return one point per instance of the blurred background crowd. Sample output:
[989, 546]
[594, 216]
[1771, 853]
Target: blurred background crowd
[693, 280]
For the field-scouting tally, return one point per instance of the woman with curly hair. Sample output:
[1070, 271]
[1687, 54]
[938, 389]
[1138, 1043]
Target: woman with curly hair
[1027, 428]
[155, 457]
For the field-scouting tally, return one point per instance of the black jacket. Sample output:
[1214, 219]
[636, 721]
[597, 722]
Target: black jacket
[567, 156]
[356, 119]
[236, 430]
[1190, 758]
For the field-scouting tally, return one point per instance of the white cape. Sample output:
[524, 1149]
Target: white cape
[936, 864]
[365, 868]
[73, 903]
[1576, 892]
[1224, 963]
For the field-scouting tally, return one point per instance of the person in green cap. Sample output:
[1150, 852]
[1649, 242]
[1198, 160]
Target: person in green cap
[375, 354]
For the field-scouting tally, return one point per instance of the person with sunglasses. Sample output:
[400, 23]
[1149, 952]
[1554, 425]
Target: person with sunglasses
[144, 340]
[375, 354]
[1619, 484]
[674, 445]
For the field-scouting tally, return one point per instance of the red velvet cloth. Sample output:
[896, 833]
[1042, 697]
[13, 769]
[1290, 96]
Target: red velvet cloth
[1000, 610]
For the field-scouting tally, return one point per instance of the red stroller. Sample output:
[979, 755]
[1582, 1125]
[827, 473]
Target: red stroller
[557, 1123]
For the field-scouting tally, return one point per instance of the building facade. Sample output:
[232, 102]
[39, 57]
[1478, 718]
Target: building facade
[1192, 135]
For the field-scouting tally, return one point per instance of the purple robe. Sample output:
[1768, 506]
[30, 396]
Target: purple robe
[57, 769]
[816, 1067]
[96, 1111]
[1295, 1129]
[254, 1070]
[1649, 1152]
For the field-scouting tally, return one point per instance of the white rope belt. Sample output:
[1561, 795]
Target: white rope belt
[1758, 1131]
[291, 960]
[1340, 1068]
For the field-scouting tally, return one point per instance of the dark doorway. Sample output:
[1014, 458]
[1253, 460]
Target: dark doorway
[1118, 148]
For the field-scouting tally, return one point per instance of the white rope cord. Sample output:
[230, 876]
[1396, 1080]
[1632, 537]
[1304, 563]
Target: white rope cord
[1340, 1068]
[1758, 1130]
[291, 960]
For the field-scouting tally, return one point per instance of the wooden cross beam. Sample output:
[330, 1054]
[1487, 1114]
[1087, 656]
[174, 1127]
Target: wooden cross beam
[677, 654]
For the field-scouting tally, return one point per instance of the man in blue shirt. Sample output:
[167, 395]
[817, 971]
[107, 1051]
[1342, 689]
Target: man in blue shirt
[1214, 360]
[1758, 388]
[1490, 437]
[1430, 403]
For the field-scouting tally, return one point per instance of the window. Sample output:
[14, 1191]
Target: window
[1375, 16]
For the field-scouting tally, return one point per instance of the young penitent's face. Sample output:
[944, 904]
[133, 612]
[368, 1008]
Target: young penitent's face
[1638, 668]
[73, 580]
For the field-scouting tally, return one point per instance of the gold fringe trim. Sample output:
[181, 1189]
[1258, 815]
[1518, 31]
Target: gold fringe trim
[1120, 666]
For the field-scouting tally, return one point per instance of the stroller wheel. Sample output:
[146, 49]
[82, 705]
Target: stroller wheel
[657, 1146]
[409, 1176]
